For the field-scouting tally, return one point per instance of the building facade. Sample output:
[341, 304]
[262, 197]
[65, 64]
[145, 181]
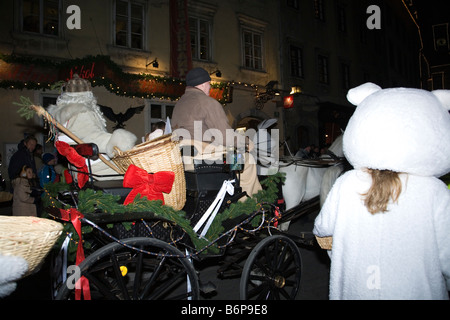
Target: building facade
[289, 60]
[331, 46]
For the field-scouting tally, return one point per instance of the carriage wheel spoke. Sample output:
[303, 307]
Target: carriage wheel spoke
[101, 287]
[153, 278]
[119, 277]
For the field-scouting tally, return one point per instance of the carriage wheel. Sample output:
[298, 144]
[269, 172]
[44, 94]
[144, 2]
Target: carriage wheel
[118, 272]
[272, 270]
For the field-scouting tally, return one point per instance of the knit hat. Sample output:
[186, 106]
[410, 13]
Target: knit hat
[47, 157]
[197, 76]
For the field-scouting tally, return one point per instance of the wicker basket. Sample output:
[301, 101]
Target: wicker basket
[161, 154]
[325, 242]
[28, 237]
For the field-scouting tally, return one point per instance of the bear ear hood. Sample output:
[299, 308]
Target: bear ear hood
[356, 95]
[399, 129]
[443, 96]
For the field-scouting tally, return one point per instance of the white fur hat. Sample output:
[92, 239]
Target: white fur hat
[399, 129]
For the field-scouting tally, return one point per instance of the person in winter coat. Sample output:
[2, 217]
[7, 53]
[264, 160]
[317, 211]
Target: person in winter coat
[389, 217]
[24, 201]
[47, 173]
[23, 156]
[202, 119]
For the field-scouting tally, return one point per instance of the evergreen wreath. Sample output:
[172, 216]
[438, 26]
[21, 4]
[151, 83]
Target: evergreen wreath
[96, 202]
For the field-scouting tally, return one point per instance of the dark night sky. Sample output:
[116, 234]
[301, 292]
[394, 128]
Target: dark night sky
[433, 11]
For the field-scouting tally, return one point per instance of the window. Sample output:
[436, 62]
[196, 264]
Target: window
[40, 16]
[253, 57]
[440, 36]
[323, 69]
[319, 10]
[160, 112]
[252, 38]
[292, 4]
[342, 19]
[345, 74]
[45, 138]
[129, 24]
[437, 80]
[200, 32]
[296, 61]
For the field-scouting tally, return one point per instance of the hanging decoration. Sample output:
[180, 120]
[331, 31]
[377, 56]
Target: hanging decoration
[18, 72]
[150, 185]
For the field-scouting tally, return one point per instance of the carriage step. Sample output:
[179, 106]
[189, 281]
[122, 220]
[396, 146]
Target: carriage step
[207, 287]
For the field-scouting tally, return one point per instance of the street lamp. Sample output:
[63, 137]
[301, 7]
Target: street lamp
[154, 63]
[217, 72]
[270, 93]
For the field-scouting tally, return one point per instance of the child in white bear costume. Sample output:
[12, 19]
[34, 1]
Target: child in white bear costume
[404, 252]
[77, 110]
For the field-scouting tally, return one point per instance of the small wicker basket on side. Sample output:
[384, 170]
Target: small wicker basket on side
[161, 154]
[28, 237]
[325, 242]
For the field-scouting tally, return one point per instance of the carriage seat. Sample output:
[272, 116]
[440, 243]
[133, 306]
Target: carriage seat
[114, 187]
[203, 180]
[203, 183]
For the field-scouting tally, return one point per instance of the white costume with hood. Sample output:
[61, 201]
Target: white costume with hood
[403, 253]
[77, 110]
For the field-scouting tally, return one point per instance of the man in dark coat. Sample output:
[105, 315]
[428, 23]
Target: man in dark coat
[23, 156]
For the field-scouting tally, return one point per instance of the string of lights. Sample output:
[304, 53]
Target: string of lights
[266, 223]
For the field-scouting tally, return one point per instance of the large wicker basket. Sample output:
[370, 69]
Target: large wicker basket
[28, 237]
[325, 242]
[161, 154]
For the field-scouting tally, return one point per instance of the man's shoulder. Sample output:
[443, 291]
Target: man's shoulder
[19, 153]
[200, 98]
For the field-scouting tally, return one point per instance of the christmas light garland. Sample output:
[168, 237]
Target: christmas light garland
[141, 85]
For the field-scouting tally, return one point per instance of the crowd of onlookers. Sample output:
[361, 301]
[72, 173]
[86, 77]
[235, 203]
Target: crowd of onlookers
[29, 170]
[311, 152]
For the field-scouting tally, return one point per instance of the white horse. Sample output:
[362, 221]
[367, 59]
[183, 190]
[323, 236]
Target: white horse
[306, 179]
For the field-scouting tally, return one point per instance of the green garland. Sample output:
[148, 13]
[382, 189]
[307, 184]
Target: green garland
[93, 201]
[108, 83]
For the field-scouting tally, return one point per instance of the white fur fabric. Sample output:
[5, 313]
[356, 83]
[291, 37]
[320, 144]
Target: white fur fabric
[80, 114]
[399, 129]
[401, 254]
[329, 178]
[12, 269]
[155, 134]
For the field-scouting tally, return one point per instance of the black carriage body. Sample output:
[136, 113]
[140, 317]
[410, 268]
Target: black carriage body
[202, 186]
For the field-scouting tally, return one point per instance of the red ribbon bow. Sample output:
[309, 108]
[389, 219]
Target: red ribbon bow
[74, 158]
[146, 184]
[82, 284]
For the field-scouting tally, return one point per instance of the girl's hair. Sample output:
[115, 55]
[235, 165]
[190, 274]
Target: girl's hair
[23, 172]
[386, 186]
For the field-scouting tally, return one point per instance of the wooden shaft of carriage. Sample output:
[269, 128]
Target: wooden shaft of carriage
[43, 113]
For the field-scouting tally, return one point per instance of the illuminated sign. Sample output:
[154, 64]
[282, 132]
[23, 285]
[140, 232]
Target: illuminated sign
[288, 102]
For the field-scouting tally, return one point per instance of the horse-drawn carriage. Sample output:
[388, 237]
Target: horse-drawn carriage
[146, 250]
[120, 245]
